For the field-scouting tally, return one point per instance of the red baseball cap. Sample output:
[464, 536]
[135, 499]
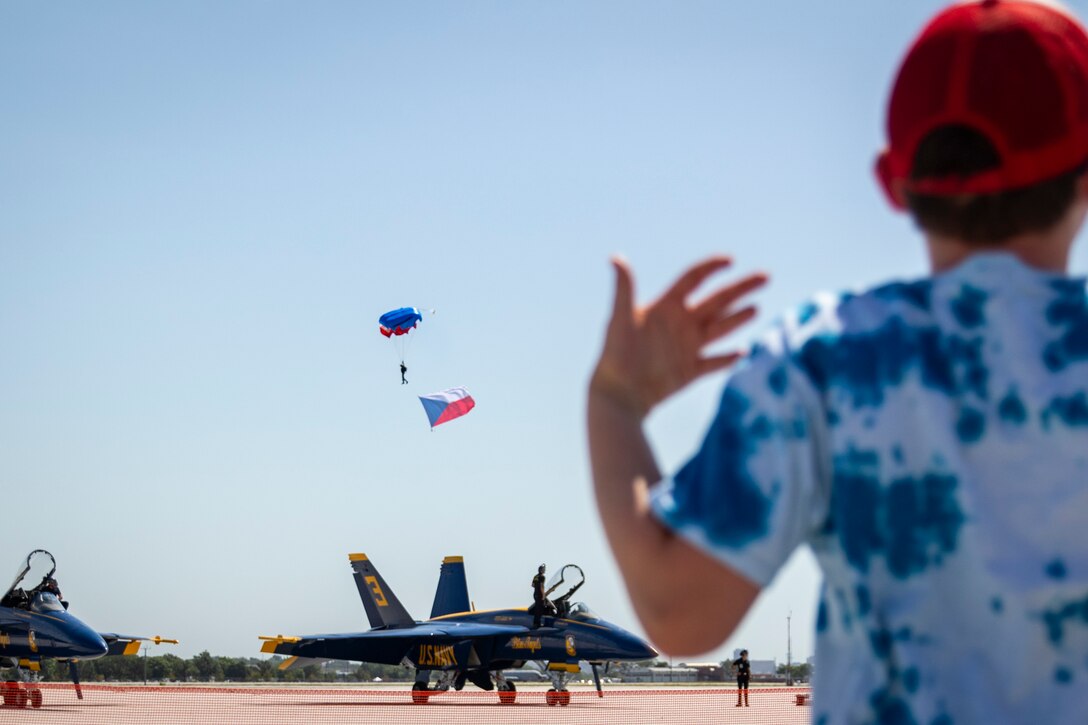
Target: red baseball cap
[1016, 71]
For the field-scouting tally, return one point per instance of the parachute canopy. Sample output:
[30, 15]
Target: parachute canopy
[446, 405]
[399, 322]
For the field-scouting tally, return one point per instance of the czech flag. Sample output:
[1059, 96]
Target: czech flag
[446, 405]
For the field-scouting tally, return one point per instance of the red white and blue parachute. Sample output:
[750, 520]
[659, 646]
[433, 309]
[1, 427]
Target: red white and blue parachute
[399, 322]
[446, 405]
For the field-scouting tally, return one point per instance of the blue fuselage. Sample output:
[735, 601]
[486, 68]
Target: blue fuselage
[558, 639]
[26, 634]
[485, 640]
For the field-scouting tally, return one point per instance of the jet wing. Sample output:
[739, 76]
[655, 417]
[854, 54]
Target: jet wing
[126, 644]
[450, 630]
[294, 663]
[384, 646]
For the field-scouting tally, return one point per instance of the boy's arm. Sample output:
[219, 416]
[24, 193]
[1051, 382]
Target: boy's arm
[687, 601]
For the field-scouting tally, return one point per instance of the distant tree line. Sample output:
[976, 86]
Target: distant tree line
[205, 667]
[799, 671]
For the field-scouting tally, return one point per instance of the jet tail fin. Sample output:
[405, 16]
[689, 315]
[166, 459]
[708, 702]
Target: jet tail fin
[451, 596]
[383, 609]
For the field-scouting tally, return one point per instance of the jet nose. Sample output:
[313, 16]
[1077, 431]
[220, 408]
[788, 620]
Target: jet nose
[87, 643]
[638, 648]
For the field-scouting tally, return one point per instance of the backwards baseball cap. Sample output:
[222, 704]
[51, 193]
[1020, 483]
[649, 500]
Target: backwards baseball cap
[1015, 71]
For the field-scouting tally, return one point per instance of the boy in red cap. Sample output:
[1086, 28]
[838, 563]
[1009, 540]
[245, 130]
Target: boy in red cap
[928, 439]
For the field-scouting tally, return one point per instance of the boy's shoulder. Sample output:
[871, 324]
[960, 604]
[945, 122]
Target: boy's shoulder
[827, 316]
[870, 340]
[959, 300]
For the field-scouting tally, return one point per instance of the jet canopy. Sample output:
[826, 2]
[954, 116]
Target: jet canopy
[567, 580]
[47, 602]
[37, 570]
[37, 561]
[580, 610]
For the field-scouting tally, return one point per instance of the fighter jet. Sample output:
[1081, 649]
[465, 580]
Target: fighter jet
[35, 624]
[459, 644]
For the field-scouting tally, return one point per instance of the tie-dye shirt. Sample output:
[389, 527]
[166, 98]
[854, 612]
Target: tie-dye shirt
[929, 441]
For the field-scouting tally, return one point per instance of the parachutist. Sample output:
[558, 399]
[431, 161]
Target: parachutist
[396, 325]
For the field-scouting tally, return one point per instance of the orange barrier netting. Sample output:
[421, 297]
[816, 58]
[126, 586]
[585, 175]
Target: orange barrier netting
[171, 705]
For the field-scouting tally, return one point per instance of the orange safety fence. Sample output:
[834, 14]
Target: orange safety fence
[181, 704]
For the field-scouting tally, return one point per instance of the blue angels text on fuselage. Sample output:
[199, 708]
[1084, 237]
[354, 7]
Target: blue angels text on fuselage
[459, 644]
[35, 624]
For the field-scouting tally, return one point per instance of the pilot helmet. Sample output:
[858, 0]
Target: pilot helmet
[540, 569]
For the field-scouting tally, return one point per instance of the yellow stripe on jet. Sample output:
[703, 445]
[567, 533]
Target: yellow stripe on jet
[453, 560]
[288, 662]
[357, 557]
[132, 647]
[485, 611]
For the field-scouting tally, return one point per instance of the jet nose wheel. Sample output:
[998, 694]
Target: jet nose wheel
[420, 695]
[35, 698]
[508, 694]
[15, 695]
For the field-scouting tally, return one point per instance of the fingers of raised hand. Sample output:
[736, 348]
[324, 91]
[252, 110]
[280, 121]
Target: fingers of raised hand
[715, 363]
[695, 276]
[624, 301]
[726, 324]
[719, 303]
[653, 350]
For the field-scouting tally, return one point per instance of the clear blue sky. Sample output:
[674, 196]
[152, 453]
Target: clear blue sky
[205, 206]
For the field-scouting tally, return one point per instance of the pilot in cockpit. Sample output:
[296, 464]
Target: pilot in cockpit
[49, 586]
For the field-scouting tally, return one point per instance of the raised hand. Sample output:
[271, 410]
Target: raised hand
[651, 352]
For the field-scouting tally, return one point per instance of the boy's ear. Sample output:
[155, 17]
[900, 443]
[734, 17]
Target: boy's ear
[893, 187]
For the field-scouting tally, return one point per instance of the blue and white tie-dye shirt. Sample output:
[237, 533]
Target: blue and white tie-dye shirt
[929, 440]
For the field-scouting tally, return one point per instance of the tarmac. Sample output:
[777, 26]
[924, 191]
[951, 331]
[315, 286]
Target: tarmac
[183, 705]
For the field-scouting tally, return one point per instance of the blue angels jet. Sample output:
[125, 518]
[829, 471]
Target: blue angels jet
[459, 644]
[35, 624]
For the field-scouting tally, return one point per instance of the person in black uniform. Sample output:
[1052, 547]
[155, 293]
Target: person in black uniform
[743, 668]
[539, 605]
[403, 370]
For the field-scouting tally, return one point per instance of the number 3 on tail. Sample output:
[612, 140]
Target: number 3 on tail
[379, 595]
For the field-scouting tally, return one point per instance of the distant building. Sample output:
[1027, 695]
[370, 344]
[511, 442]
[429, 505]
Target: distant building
[660, 674]
[763, 667]
[707, 671]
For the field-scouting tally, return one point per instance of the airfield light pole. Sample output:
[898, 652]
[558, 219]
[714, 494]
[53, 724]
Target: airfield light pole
[789, 653]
